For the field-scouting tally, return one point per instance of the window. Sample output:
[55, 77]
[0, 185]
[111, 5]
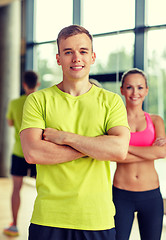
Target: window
[156, 53]
[50, 17]
[113, 53]
[108, 15]
[156, 62]
[156, 12]
[46, 65]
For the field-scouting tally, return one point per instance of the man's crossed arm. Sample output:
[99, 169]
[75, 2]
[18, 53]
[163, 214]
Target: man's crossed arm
[53, 146]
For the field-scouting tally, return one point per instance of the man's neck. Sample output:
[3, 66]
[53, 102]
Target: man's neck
[30, 91]
[75, 88]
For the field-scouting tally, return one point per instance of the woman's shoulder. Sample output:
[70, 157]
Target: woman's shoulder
[156, 119]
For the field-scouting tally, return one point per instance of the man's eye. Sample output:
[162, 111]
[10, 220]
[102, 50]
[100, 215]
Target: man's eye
[83, 52]
[140, 88]
[69, 52]
[128, 87]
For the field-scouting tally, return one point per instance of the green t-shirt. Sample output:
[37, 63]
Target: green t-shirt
[76, 194]
[14, 113]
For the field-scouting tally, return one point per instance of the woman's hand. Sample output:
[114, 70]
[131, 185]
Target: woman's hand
[160, 141]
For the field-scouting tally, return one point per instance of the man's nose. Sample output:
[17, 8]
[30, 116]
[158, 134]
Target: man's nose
[76, 57]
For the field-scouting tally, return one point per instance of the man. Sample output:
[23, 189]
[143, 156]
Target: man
[72, 131]
[19, 167]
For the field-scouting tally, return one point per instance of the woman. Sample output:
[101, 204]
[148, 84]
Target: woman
[136, 183]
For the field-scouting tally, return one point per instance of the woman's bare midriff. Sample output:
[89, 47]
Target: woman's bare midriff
[136, 176]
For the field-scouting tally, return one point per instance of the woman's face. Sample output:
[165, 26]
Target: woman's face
[134, 89]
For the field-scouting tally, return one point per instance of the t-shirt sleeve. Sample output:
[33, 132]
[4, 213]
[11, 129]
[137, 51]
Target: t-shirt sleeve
[33, 113]
[117, 115]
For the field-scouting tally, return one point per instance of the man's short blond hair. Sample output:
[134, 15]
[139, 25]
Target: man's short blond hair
[71, 31]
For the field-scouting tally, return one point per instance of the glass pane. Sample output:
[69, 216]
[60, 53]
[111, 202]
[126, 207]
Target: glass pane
[156, 99]
[113, 53]
[156, 12]
[156, 52]
[49, 71]
[108, 15]
[112, 86]
[50, 17]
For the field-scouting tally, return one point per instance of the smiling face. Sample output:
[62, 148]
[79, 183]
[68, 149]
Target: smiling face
[75, 56]
[134, 89]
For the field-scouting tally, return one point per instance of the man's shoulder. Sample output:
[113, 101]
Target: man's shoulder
[41, 94]
[108, 94]
[102, 90]
[18, 100]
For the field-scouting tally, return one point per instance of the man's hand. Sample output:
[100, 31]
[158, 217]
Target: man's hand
[10, 122]
[38, 151]
[110, 147]
[54, 136]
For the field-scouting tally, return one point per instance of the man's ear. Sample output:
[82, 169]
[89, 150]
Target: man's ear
[24, 85]
[93, 57]
[58, 59]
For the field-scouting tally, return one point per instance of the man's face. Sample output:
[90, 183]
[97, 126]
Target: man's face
[75, 56]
